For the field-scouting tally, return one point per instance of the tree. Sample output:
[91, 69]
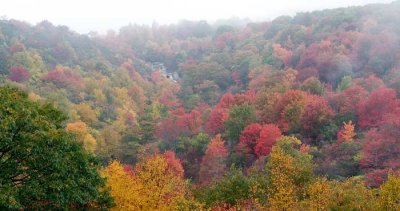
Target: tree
[108, 140]
[239, 117]
[372, 109]
[164, 189]
[257, 140]
[19, 74]
[208, 91]
[317, 114]
[174, 164]
[285, 109]
[206, 70]
[168, 95]
[30, 60]
[83, 135]
[190, 150]
[282, 54]
[17, 46]
[167, 129]
[130, 148]
[231, 190]
[339, 160]
[179, 123]
[268, 135]
[347, 133]
[229, 100]
[351, 194]
[389, 195]
[244, 153]
[123, 187]
[348, 100]
[185, 123]
[249, 137]
[224, 40]
[381, 148]
[259, 78]
[4, 58]
[345, 83]
[215, 123]
[64, 77]
[137, 95]
[289, 170]
[375, 157]
[313, 86]
[220, 113]
[282, 187]
[42, 166]
[152, 185]
[87, 114]
[318, 195]
[191, 122]
[213, 164]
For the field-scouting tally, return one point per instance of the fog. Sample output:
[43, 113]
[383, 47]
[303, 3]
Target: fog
[92, 15]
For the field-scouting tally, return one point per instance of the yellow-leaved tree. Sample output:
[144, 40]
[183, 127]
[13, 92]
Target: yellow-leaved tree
[123, 187]
[86, 113]
[282, 188]
[352, 194]
[290, 172]
[153, 185]
[318, 195]
[389, 197]
[82, 132]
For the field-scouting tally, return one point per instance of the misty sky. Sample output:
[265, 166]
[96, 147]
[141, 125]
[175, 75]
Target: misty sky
[99, 15]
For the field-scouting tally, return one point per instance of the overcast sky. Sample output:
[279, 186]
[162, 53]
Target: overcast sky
[99, 15]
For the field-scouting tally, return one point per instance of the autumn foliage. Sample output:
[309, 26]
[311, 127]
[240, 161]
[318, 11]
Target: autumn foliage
[64, 77]
[347, 133]
[380, 149]
[215, 123]
[316, 114]
[249, 138]
[154, 184]
[19, 74]
[213, 164]
[372, 109]
[298, 113]
[268, 135]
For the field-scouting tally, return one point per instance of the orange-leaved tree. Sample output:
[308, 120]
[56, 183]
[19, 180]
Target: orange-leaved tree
[347, 133]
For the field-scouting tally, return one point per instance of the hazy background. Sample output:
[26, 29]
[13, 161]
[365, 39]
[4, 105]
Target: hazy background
[99, 15]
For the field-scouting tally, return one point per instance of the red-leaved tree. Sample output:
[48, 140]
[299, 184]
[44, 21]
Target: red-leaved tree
[174, 164]
[218, 116]
[179, 123]
[213, 164]
[381, 149]
[249, 137]
[347, 100]
[19, 74]
[372, 109]
[64, 77]
[268, 135]
[317, 113]
[215, 123]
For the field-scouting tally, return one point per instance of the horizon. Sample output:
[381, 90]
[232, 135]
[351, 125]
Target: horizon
[121, 13]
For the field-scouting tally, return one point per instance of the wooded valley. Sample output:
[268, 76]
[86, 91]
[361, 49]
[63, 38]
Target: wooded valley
[299, 113]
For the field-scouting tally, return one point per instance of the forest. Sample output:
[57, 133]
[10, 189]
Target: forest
[297, 113]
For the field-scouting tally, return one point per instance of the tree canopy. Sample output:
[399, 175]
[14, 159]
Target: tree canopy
[42, 165]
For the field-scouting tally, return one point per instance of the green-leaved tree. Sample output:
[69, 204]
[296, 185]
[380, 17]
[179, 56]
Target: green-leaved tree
[41, 165]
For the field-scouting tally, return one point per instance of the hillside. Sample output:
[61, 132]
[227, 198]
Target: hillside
[309, 103]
